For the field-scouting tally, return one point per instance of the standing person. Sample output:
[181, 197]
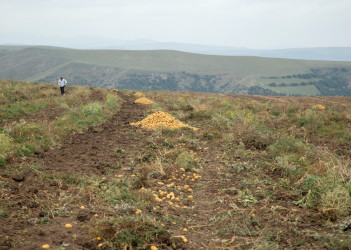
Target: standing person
[62, 83]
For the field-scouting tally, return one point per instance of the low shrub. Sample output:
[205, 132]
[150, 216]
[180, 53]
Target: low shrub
[288, 144]
[186, 160]
[326, 194]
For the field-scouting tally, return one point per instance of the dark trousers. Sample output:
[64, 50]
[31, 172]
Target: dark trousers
[62, 90]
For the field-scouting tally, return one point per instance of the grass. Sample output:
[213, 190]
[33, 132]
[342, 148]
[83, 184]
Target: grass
[286, 138]
[22, 138]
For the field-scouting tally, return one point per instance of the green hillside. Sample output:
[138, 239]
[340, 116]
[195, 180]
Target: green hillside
[170, 70]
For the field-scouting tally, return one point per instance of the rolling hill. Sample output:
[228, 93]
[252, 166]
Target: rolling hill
[174, 70]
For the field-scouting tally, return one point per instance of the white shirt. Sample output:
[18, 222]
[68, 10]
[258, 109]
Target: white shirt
[62, 82]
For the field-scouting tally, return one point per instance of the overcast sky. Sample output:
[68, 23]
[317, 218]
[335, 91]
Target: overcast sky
[237, 23]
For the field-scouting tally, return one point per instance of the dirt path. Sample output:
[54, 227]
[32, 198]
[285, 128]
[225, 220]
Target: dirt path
[94, 152]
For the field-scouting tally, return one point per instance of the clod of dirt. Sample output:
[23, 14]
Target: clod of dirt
[41, 233]
[18, 177]
[143, 100]
[124, 209]
[161, 119]
[231, 191]
[32, 190]
[344, 224]
[53, 183]
[164, 238]
[89, 245]
[83, 215]
[178, 241]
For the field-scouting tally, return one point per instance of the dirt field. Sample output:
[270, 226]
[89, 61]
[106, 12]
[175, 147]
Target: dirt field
[45, 194]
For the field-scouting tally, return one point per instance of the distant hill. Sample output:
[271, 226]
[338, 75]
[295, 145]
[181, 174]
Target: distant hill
[174, 70]
[323, 53]
[98, 43]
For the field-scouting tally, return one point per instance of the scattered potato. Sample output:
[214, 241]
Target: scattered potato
[185, 230]
[158, 199]
[68, 226]
[46, 246]
[170, 185]
[82, 207]
[153, 248]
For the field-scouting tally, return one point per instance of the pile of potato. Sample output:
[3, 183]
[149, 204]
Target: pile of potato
[319, 106]
[161, 119]
[143, 100]
[138, 94]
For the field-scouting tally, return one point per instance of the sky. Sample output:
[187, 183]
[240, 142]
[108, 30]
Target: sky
[255, 24]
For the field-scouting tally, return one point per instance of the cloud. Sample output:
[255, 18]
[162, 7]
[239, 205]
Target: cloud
[250, 23]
